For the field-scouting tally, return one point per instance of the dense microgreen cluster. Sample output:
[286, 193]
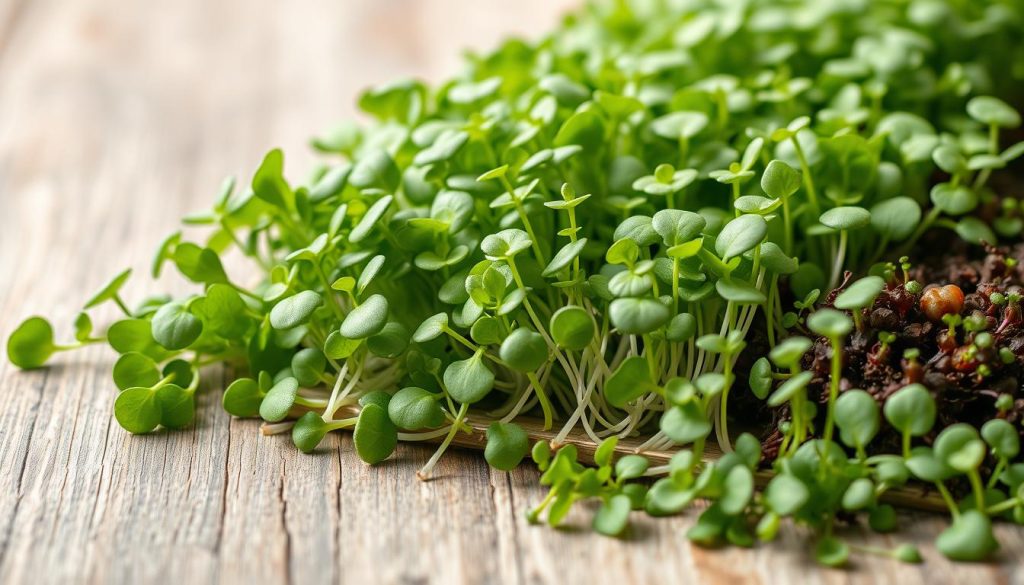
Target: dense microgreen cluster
[587, 229]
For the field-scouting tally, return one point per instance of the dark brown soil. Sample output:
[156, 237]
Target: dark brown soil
[964, 380]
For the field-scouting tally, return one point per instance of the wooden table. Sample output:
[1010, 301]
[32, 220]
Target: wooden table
[116, 117]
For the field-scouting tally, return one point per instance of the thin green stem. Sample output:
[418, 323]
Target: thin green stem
[542, 397]
[424, 473]
[833, 386]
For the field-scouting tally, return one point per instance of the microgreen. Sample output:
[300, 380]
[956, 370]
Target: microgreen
[623, 233]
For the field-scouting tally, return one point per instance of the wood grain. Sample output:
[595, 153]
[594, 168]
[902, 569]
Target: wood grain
[116, 118]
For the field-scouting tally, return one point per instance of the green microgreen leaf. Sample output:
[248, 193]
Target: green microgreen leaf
[507, 445]
[631, 380]
[524, 350]
[993, 111]
[857, 416]
[31, 344]
[740, 235]
[375, 436]
[295, 310]
[911, 410]
[279, 400]
[572, 328]
[469, 380]
[969, 538]
[137, 410]
[830, 323]
[134, 369]
[637, 316]
[367, 319]
[110, 290]
[613, 516]
[309, 431]
[242, 398]
[861, 294]
[175, 327]
[415, 408]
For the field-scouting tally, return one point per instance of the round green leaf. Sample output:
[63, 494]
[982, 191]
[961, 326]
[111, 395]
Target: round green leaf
[31, 344]
[740, 235]
[431, 328]
[390, 342]
[968, 538]
[681, 328]
[739, 489]
[954, 200]
[830, 323]
[861, 294]
[378, 397]
[524, 350]
[174, 327]
[959, 447]
[788, 353]
[993, 111]
[414, 408]
[200, 265]
[180, 372]
[367, 319]
[375, 436]
[911, 410]
[177, 406]
[242, 398]
[631, 380]
[859, 495]
[676, 226]
[468, 380]
[832, 552]
[685, 423]
[505, 244]
[857, 416]
[224, 312]
[135, 370]
[785, 494]
[895, 219]
[1002, 437]
[507, 445]
[137, 411]
[295, 310]
[631, 467]
[486, 330]
[339, 347]
[572, 327]
[780, 180]
[308, 432]
[636, 316]
[845, 218]
[613, 515]
[678, 125]
[975, 231]
[760, 378]
[279, 400]
[308, 366]
[83, 327]
[776, 261]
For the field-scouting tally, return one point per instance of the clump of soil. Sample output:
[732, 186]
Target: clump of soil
[966, 378]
